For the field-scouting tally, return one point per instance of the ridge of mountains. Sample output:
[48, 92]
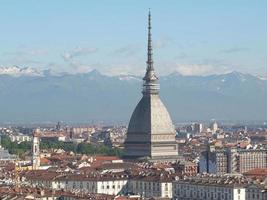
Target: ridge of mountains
[28, 95]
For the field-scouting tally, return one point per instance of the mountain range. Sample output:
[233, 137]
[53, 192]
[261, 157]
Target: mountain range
[28, 95]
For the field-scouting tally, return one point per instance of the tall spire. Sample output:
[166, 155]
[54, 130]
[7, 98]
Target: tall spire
[150, 80]
[149, 45]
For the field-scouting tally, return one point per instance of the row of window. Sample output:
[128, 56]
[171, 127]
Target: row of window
[203, 195]
[192, 187]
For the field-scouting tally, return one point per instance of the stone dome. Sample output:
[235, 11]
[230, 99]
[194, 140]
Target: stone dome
[150, 117]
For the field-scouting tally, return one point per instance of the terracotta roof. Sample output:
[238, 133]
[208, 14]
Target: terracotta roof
[105, 158]
[93, 177]
[259, 172]
[45, 161]
[23, 192]
[41, 175]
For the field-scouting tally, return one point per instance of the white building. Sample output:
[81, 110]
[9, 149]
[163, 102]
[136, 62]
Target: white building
[198, 127]
[111, 184]
[208, 188]
[214, 127]
[151, 186]
[145, 185]
[20, 138]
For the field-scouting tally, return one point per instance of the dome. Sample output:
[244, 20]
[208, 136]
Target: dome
[151, 133]
[150, 117]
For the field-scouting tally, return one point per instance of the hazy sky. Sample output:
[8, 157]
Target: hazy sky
[189, 36]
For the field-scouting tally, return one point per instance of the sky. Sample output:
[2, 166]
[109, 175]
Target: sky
[190, 37]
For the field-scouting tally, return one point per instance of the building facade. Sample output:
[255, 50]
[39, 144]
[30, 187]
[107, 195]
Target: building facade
[232, 160]
[20, 138]
[214, 161]
[153, 186]
[248, 159]
[256, 192]
[208, 189]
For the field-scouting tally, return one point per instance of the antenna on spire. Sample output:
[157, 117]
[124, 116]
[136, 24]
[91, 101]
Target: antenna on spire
[149, 44]
[150, 85]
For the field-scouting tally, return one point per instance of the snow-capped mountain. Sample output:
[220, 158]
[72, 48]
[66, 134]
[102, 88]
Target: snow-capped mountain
[30, 95]
[262, 78]
[17, 71]
[129, 78]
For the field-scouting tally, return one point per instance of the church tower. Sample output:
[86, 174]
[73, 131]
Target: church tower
[151, 134]
[36, 150]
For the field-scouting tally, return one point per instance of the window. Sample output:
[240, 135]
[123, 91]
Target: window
[166, 187]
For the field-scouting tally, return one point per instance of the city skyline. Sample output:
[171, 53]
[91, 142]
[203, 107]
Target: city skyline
[193, 38]
[120, 100]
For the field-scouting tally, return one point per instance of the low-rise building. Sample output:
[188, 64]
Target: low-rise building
[111, 184]
[5, 156]
[145, 184]
[256, 192]
[208, 188]
[150, 185]
[20, 138]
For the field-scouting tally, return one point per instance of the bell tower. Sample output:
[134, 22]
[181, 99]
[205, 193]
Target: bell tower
[36, 149]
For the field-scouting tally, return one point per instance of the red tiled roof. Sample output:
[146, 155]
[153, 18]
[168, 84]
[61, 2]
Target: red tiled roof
[260, 172]
[106, 158]
[45, 161]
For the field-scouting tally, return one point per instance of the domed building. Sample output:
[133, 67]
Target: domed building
[151, 134]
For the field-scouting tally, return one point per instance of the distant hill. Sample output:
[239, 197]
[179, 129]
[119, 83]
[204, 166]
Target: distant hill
[27, 95]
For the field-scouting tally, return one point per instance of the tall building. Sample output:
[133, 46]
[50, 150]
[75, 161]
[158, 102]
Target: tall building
[151, 134]
[58, 126]
[36, 150]
[214, 127]
[248, 159]
[197, 127]
[232, 160]
[214, 161]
